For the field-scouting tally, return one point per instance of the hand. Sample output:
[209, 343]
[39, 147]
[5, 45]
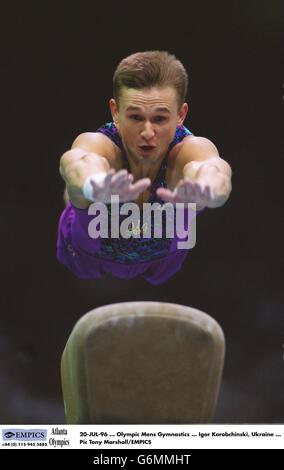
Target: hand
[117, 183]
[188, 191]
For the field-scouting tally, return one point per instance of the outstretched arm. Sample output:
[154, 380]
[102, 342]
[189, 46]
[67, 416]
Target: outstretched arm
[89, 177]
[203, 177]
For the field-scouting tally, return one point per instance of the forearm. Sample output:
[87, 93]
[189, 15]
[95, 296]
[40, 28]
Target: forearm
[75, 166]
[214, 173]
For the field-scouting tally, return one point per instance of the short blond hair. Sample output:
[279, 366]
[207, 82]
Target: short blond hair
[151, 69]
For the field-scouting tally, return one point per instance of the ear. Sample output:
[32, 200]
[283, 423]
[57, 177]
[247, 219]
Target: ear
[114, 110]
[182, 113]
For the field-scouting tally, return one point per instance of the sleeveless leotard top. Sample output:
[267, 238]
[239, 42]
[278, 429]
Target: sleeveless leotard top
[137, 250]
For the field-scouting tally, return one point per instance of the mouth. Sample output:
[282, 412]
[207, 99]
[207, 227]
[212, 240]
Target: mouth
[147, 148]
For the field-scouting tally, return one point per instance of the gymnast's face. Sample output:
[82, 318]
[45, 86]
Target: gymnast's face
[146, 120]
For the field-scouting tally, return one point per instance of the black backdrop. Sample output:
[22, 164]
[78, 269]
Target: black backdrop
[56, 70]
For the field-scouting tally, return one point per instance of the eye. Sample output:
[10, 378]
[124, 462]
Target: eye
[136, 117]
[160, 118]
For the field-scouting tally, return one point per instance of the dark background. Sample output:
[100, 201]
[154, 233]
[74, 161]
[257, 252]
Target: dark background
[56, 70]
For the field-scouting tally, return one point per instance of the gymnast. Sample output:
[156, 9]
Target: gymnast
[144, 155]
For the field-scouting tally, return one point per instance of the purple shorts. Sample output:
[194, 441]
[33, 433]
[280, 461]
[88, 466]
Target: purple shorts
[77, 251]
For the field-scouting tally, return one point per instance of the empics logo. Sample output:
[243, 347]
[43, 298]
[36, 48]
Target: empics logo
[8, 435]
[24, 434]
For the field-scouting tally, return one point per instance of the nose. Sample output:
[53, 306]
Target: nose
[148, 131]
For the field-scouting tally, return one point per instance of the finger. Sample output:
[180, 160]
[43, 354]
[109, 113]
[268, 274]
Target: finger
[187, 182]
[190, 195]
[108, 178]
[127, 179]
[186, 190]
[166, 194]
[119, 174]
[124, 182]
[141, 185]
[204, 195]
[115, 179]
[198, 190]
[119, 180]
[133, 190]
[208, 193]
[182, 192]
[111, 172]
